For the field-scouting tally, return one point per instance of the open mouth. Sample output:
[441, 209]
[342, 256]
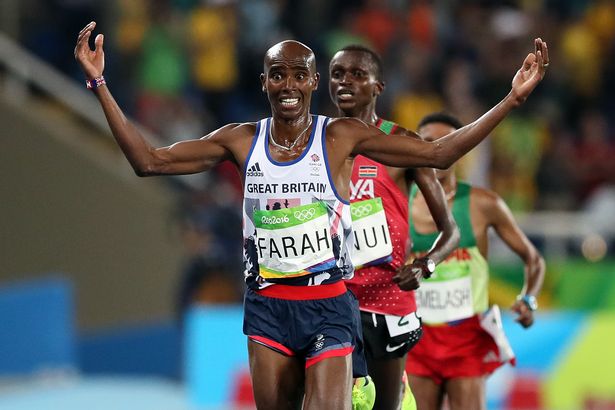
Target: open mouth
[345, 95]
[289, 102]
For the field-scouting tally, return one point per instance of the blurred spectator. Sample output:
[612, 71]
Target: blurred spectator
[556, 177]
[416, 92]
[48, 26]
[133, 22]
[212, 222]
[206, 282]
[213, 52]
[594, 154]
[421, 24]
[126, 40]
[376, 22]
[260, 27]
[581, 54]
[162, 70]
[209, 225]
[342, 35]
[517, 146]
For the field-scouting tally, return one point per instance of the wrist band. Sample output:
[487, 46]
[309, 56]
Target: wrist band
[95, 83]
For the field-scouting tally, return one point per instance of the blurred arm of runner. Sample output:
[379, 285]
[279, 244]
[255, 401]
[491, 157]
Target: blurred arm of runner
[502, 220]
[184, 157]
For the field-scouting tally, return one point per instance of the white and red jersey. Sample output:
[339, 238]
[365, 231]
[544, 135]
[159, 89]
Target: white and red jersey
[373, 283]
[296, 227]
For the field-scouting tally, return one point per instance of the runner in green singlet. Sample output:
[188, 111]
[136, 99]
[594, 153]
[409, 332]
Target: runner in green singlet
[463, 341]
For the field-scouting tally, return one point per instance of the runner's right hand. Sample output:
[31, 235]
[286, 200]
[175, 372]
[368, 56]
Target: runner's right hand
[532, 71]
[92, 62]
[408, 276]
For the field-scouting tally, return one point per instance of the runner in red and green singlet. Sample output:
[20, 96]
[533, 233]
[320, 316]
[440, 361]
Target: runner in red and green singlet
[463, 341]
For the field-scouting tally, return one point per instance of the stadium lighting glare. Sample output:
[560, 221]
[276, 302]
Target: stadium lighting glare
[594, 247]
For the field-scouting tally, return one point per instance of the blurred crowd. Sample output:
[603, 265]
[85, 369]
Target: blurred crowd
[184, 67]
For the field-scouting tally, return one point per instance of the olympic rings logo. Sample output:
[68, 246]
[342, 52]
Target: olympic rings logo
[305, 214]
[361, 210]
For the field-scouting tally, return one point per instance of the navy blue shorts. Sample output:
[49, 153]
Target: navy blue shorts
[290, 321]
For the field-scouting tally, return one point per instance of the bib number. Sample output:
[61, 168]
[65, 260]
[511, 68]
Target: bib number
[372, 240]
[294, 241]
[401, 325]
[445, 301]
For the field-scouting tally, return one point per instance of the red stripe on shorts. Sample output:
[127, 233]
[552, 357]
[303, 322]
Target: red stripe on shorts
[272, 344]
[303, 292]
[344, 351]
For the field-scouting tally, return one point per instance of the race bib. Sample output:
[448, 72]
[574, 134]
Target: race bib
[445, 300]
[401, 325]
[372, 241]
[293, 242]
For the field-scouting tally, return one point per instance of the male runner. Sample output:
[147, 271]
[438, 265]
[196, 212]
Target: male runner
[301, 323]
[462, 340]
[388, 313]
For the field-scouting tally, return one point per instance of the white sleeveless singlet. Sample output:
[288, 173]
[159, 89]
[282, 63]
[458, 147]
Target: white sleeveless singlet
[296, 228]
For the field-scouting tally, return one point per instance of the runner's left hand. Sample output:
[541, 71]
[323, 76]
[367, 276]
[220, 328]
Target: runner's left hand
[532, 71]
[408, 276]
[525, 315]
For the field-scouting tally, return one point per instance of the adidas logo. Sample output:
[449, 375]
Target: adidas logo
[255, 171]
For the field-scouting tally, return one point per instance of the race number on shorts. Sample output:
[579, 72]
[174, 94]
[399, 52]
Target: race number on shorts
[401, 325]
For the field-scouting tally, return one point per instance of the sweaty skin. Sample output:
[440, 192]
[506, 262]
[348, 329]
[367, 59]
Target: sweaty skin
[289, 81]
[487, 210]
[354, 86]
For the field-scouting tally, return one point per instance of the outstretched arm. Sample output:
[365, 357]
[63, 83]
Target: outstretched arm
[409, 277]
[182, 158]
[507, 228]
[409, 152]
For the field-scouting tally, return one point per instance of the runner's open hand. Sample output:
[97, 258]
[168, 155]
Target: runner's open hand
[525, 315]
[92, 62]
[531, 72]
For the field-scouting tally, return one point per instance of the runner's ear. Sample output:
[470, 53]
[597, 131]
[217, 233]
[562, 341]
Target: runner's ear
[315, 80]
[379, 88]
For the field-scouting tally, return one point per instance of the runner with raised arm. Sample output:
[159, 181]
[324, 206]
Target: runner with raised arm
[302, 324]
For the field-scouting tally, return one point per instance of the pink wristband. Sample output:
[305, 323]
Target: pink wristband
[95, 83]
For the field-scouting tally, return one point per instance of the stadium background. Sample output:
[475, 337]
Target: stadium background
[121, 292]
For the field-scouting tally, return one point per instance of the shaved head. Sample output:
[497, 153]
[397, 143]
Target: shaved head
[289, 79]
[290, 52]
